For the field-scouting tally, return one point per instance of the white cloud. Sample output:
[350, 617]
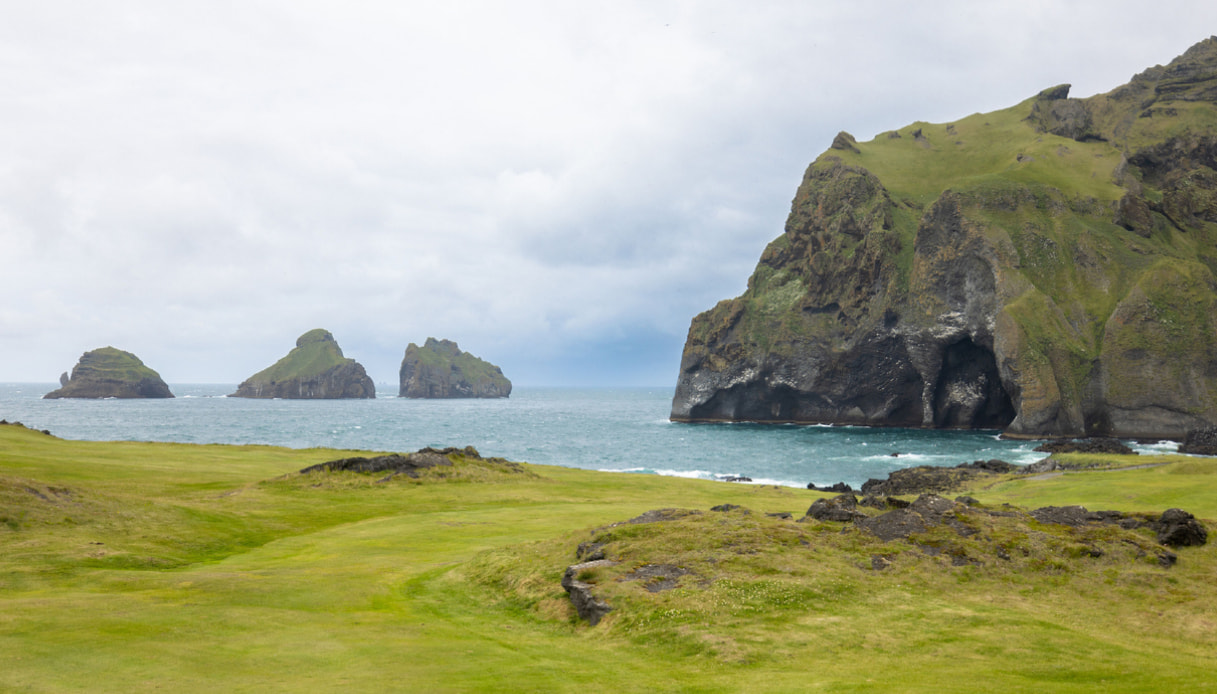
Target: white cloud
[544, 182]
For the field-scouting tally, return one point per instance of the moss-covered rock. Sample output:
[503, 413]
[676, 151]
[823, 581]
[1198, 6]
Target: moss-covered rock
[314, 369]
[1047, 269]
[107, 372]
[439, 369]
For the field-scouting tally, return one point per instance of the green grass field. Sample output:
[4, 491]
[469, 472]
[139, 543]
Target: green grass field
[140, 567]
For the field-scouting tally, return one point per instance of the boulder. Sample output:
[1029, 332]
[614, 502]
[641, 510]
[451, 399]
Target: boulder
[439, 369]
[1178, 528]
[107, 372]
[841, 509]
[587, 605]
[314, 370]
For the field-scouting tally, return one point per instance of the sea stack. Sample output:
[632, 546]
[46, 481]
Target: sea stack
[110, 373]
[314, 369]
[1045, 270]
[439, 369]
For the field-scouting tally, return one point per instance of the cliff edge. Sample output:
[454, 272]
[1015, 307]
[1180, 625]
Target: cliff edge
[1047, 270]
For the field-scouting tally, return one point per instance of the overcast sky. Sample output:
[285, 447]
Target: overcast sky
[558, 186]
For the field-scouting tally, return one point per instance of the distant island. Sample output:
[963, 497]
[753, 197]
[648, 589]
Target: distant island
[314, 369]
[439, 369]
[107, 372]
[1046, 270]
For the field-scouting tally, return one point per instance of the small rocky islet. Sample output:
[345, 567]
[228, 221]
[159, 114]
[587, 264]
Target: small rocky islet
[314, 369]
[439, 369]
[108, 372]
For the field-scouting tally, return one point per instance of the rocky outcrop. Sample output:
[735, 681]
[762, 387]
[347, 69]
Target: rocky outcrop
[314, 369]
[1047, 270]
[439, 369]
[110, 373]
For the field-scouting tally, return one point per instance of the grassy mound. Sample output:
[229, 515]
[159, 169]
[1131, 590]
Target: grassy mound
[133, 567]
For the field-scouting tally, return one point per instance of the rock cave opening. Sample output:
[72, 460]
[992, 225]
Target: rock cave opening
[969, 393]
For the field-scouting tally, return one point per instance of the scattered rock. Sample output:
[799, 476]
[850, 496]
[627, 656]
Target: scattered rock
[1091, 445]
[408, 464]
[838, 488]
[840, 509]
[927, 478]
[724, 507]
[657, 577]
[734, 478]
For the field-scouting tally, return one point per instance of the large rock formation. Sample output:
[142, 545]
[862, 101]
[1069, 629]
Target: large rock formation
[439, 369]
[1047, 270]
[315, 369]
[110, 373]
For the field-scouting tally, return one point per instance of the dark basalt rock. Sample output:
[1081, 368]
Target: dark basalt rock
[1092, 445]
[842, 509]
[838, 488]
[408, 464]
[110, 373]
[1178, 528]
[1200, 442]
[928, 478]
[587, 605]
[876, 308]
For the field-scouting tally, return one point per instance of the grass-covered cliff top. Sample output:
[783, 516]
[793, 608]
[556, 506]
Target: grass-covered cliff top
[445, 354]
[315, 352]
[112, 364]
[131, 567]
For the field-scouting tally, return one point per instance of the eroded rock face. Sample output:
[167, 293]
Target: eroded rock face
[1022, 297]
[110, 373]
[587, 605]
[315, 369]
[439, 369]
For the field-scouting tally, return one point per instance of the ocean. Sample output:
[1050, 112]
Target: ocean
[620, 430]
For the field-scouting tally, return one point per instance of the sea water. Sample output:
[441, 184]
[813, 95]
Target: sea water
[621, 430]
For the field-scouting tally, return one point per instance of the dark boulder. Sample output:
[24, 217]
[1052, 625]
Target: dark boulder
[587, 605]
[840, 509]
[1091, 445]
[1178, 528]
[1200, 442]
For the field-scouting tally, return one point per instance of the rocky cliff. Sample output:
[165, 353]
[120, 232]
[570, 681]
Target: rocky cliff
[439, 369]
[1047, 270]
[110, 373]
[315, 369]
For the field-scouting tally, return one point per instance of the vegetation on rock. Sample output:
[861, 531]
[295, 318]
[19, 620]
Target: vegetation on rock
[314, 369]
[1047, 269]
[107, 372]
[439, 369]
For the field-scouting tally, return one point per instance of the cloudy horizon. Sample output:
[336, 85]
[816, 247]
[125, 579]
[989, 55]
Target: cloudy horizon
[558, 187]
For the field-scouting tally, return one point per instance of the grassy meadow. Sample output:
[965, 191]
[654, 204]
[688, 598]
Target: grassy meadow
[140, 567]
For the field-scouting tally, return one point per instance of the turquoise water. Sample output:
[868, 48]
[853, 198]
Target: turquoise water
[624, 430]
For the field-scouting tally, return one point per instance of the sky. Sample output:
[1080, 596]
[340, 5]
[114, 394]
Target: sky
[557, 186]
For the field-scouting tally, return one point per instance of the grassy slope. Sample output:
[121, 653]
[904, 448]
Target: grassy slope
[214, 573]
[309, 359]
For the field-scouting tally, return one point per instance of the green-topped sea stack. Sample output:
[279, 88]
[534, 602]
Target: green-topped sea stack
[315, 369]
[439, 369]
[1047, 270]
[110, 373]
